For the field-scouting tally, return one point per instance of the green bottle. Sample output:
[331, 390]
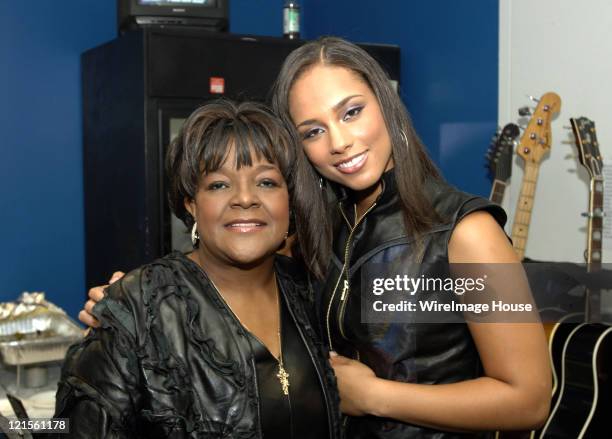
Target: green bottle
[291, 20]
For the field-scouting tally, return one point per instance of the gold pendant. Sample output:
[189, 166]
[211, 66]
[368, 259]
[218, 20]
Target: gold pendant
[283, 377]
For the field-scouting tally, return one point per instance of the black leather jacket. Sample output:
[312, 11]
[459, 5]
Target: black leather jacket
[172, 361]
[428, 353]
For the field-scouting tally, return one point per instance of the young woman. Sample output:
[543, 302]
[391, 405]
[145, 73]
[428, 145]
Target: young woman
[397, 380]
[216, 343]
[394, 208]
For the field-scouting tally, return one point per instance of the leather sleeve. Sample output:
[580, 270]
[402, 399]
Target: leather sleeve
[478, 203]
[99, 386]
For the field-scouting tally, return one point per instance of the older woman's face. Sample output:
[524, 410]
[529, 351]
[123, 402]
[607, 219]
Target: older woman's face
[341, 126]
[242, 214]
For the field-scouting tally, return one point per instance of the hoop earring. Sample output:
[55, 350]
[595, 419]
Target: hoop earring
[195, 236]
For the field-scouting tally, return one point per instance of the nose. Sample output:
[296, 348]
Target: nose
[245, 196]
[340, 138]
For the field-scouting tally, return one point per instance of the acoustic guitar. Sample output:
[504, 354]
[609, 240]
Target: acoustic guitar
[583, 387]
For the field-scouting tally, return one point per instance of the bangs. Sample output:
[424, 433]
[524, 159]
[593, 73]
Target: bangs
[211, 132]
[246, 139]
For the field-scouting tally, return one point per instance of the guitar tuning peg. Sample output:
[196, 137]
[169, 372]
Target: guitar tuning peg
[524, 111]
[533, 99]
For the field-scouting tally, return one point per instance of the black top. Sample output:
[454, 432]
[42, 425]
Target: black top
[299, 415]
[423, 353]
[171, 360]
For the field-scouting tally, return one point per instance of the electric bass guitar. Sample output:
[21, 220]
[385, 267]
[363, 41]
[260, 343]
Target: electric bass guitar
[534, 143]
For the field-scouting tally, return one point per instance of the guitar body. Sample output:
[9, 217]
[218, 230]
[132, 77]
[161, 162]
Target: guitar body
[557, 335]
[585, 396]
[558, 338]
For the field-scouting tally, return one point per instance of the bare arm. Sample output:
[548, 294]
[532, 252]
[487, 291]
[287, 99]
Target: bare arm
[513, 394]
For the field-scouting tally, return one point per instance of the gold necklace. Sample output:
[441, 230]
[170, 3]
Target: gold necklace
[282, 375]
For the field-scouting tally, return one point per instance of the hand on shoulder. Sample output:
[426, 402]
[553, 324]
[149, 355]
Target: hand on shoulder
[96, 294]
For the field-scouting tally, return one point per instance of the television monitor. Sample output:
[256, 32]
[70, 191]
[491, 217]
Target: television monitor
[204, 14]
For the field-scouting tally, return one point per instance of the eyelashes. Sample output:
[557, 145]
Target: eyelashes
[350, 114]
[268, 183]
[264, 183]
[216, 185]
[311, 133]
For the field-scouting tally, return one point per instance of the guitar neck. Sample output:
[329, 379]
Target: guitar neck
[593, 254]
[522, 216]
[595, 225]
[497, 191]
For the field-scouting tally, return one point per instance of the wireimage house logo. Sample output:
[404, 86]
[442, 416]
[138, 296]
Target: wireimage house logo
[488, 293]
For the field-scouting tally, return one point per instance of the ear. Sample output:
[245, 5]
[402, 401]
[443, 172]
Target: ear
[190, 206]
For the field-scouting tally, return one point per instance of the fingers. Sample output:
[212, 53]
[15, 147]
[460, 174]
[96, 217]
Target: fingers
[116, 276]
[89, 306]
[96, 293]
[338, 360]
[88, 319]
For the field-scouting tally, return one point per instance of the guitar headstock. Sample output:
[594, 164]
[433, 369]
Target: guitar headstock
[499, 155]
[588, 148]
[537, 138]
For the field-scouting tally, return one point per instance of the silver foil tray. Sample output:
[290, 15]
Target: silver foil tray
[38, 338]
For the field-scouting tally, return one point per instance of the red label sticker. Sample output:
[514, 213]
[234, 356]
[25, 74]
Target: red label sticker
[217, 85]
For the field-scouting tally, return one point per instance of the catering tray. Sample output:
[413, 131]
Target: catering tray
[41, 333]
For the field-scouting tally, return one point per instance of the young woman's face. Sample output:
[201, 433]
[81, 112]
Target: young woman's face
[242, 214]
[341, 126]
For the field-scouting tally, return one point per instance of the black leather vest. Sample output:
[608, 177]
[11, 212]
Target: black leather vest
[172, 360]
[430, 353]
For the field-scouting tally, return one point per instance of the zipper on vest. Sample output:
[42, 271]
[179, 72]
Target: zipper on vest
[346, 285]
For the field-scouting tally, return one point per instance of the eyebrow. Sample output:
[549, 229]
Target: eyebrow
[266, 168]
[336, 107]
[258, 168]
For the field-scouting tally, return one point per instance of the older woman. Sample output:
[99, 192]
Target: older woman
[215, 343]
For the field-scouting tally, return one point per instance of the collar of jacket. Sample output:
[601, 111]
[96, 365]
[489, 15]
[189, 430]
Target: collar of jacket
[388, 194]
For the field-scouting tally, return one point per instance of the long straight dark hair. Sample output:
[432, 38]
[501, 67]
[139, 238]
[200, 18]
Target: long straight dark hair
[412, 164]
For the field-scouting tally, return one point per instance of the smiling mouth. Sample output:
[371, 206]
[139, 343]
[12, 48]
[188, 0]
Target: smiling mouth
[352, 164]
[245, 226]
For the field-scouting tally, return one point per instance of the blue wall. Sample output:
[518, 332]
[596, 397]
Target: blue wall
[41, 189]
[449, 70]
[257, 17]
[449, 62]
